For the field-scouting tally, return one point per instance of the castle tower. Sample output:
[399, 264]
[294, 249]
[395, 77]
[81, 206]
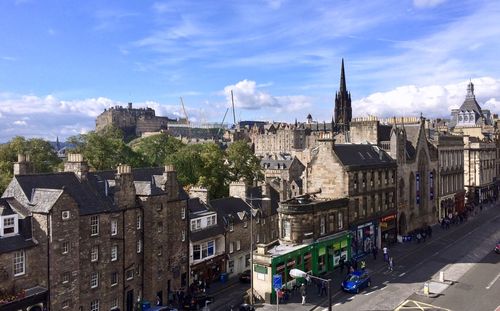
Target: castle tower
[343, 110]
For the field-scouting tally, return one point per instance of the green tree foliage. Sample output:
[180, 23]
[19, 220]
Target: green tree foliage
[43, 157]
[155, 149]
[105, 149]
[243, 164]
[187, 162]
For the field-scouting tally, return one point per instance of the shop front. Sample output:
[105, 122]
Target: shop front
[316, 258]
[447, 205]
[364, 238]
[388, 229]
[209, 270]
[460, 202]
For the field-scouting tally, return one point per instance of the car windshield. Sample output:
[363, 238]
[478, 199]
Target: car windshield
[352, 278]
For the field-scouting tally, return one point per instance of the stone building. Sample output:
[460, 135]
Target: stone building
[365, 174]
[134, 121]
[313, 238]
[283, 172]
[450, 193]
[97, 251]
[22, 285]
[479, 169]
[470, 114]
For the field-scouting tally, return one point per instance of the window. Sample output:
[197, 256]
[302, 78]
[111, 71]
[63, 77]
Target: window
[94, 253]
[94, 225]
[209, 221]
[160, 226]
[130, 274]
[322, 225]
[94, 305]
[9, 225]
[198, 223]
[231, 266]
[203, 250]
[94, 280]
[139, 221]
[114, 252]
[139, 246]
[65, 215]
[238, 245]
[65, 304]
[286, 229]
[183, 213]
[114, 227]
[231, 247]
[257, 238]
[65, 277]
[19, 263]
[160, 251]
[114, 278]
[114, 303]
[231, 226]
[245, 224]
[65, 247]
[214, 220]
[340, 221]
[193, 225]
[183, 235]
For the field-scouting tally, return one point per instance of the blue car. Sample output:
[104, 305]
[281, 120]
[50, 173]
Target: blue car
[354, 282]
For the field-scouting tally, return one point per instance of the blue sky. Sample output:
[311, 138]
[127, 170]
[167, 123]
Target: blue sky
[63, 62]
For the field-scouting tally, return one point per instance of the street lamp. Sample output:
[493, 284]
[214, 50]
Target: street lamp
[296, 273]
[252, 212]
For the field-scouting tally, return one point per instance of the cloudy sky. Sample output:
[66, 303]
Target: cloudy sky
[63, 62]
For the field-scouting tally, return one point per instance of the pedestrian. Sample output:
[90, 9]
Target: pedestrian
[391, 264]
[363, 265]
[323, 289]
[342, 263]
[419, 236]
[424, 234]
[374, 252]
[429, 231]
[303, 293]
[386, 253]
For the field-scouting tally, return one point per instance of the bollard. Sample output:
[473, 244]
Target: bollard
[441, 276]
[426, 289]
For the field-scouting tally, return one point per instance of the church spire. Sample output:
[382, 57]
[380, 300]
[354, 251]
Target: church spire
[343, 86]
[470, 90]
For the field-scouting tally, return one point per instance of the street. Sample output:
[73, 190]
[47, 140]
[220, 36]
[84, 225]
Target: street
[464, 252]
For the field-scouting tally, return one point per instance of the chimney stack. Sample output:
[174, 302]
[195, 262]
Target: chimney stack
[124, 193]
[23, 165]
[199, 192]
[238, 189]
[77, 165]
[171, 184]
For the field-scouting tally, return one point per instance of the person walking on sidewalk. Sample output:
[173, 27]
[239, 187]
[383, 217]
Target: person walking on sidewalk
[386, 254]
[303, 293]
[374, 252]
[362, 265]
[391, 264]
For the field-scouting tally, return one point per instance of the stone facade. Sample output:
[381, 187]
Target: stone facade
[91, 229]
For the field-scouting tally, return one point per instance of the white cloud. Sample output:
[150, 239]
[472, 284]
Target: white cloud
[247, 96]
[50, 116]
[432, 101]
[427, 3]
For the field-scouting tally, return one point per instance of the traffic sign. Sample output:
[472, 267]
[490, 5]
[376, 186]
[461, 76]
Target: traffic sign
[277, 283]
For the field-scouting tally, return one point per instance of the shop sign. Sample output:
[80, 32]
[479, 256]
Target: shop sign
[383, 225]
[343, 243]
[388, 218]
[260, 269]
[336, 245]
[322, 251]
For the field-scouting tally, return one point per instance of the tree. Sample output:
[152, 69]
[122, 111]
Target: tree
[242, 162]
[105, 149]
[214, 174]
[188, 164]
[43, 157]
[155, 149]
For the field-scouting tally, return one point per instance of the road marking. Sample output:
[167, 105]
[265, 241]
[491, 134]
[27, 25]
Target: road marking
[375, 287]
[386, 282]
[402, 274]
[493, 281]
[337, 304]
[351, 298]
[369, 293]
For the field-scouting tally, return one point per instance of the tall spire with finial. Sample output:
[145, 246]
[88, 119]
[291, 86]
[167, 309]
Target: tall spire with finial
[343, 110]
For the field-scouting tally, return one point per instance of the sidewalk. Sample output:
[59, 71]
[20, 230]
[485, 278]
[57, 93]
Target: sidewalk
[313, 300]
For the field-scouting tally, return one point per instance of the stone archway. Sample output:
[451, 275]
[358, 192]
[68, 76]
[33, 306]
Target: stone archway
[402, 224]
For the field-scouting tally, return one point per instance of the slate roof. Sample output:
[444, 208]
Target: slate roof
[358, 155]
[15, 243]
[229, 207]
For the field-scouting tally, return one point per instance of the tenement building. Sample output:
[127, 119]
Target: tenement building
[95, 251]
[450, 194]
[284, 173]
[365, 174]
[313, 237]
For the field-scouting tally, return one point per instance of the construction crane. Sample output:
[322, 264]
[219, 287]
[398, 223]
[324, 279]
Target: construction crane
[222, 123]
[184, 109]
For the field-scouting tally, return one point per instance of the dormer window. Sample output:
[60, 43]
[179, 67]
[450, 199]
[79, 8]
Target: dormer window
[9, 226]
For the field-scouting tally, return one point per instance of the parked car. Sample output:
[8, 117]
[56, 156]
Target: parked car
[354, 282]
[245, 276]
[497, 248]
[197, 301]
